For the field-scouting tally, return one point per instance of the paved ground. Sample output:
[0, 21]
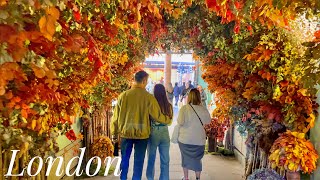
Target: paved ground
[215, 167]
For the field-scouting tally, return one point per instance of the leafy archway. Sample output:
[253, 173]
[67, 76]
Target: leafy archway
[60, 56]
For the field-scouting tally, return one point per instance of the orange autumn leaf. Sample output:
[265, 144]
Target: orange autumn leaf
[38, 72]
[3, 2]
[2, 90]
[47, 22]
[16, 99]
[9, 95]
[80, 136]
[24, 113]
[24, 106]
[188, 3]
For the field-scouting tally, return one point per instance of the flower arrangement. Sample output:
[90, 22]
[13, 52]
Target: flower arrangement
[102, 147]
[216, 128]
[291, 151]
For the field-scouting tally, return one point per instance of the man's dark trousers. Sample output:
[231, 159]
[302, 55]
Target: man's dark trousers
[140, 147]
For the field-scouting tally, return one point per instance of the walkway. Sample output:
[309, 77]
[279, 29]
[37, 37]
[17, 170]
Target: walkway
[215, 167]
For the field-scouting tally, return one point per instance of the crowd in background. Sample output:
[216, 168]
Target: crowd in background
[177, 94]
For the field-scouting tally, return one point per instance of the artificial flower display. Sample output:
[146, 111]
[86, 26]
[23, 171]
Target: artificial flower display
[292, 152]
[216, 128]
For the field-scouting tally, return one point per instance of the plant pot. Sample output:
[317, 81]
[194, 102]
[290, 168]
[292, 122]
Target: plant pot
[212, 144]
[291, 175]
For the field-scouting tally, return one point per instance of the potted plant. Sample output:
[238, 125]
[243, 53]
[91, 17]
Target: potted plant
[293, 153]
[215, 132]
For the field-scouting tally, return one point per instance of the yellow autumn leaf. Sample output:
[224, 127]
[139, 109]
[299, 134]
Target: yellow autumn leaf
[33, 124]
[47, 23]
[303, 92]
[298, 135]
[177, 13]
[223, 2]
[291, 166]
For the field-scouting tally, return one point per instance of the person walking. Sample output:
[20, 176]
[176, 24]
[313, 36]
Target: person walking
[190, 84]
[203, 96]
[170, 92]
[159, 138]
[176, 93]
[185, 93]
[192, 137]
[131, 122]
[182, 88]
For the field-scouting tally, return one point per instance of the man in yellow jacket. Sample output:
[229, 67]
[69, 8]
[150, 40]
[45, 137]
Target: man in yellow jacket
[131, 122]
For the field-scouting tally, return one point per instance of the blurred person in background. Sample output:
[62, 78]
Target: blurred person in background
[203, 96]
[170, 92]
[176, 93]
[190, 84]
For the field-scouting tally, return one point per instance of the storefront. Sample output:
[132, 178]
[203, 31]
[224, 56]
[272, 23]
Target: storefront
[183, 68]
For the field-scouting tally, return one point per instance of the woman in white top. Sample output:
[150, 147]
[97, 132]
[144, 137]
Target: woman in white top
[192, 137]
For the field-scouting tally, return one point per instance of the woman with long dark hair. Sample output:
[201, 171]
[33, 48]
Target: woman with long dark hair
[159, 138]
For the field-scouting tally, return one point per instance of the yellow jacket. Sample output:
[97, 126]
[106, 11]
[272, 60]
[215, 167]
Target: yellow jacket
[131, 117]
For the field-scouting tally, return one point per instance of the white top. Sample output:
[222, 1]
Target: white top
[191, 131]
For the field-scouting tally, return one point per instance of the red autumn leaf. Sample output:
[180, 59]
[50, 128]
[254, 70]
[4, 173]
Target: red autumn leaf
[6, 31]
[249, 27]
[317, 34]
[97, 2]
[77, 16]
[211, 3]
[40, 45]
[271, 116]
[284, 83]
[98, 64]
[110, 29]
[131, 18]
[238, 5]
[236, 28]
[71, 135]
[74, 43]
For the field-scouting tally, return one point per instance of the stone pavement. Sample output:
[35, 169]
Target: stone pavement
[215, 167]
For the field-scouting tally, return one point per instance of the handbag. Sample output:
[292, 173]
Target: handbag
[175, 134]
